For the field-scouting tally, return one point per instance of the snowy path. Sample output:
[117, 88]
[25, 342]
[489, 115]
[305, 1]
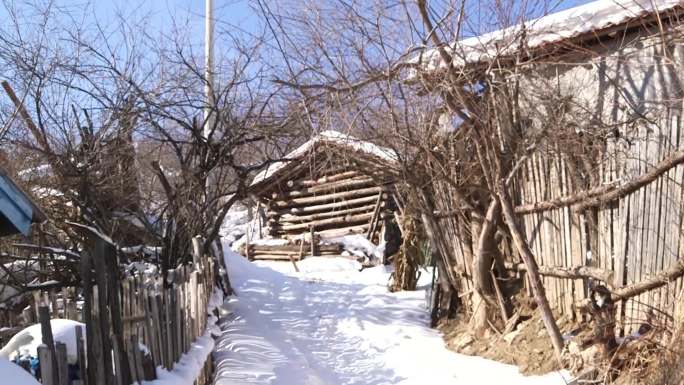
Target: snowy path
[337, 327]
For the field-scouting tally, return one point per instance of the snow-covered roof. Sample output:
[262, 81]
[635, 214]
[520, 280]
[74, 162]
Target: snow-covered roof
[327, 137]
[550, 29]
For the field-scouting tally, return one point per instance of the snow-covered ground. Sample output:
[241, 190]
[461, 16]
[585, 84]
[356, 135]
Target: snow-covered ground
[331, 324]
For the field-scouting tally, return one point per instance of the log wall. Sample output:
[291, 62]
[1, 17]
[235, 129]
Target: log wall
[334, 200]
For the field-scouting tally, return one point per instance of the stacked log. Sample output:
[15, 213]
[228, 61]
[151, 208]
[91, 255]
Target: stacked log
[288, 252]
[340, 202]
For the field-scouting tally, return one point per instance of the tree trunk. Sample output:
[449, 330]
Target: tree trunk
[532, 271]
[485, 256]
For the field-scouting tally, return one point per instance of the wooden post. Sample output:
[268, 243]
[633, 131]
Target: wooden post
[103, 311]
[196, 251]
[83, 373]
[499, 297]
[113, 308]
[37, 302]
[62, 365]
[118, 364]
[46, 332]
[168, 334]
[532, 272]
[47, 367]
[374, 218]
[313, 233]
[137, 358]
[130, 355]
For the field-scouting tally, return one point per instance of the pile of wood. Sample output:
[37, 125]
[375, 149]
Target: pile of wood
[338, 203]
[290, 252]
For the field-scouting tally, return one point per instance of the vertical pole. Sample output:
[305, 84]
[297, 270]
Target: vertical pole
[208, 66]
[209, 109]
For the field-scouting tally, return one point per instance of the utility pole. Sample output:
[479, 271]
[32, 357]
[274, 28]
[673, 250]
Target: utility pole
[209, 67]
[210, 103]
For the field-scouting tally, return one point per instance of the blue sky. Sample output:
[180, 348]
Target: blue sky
[228, 13]
[164, 16]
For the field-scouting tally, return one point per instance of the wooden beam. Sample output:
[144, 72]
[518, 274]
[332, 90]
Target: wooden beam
[328, 206]
[325, 187]
[573, 272]
[324, 179]
[330, 214]
[344, 220]
[338, 232]
[327, 197]
[374, 218]
[660, 279]
[291, 248]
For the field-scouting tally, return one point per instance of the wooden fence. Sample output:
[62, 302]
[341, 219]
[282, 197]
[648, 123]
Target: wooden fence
[632, 237]
[133, 323]
[627, 238]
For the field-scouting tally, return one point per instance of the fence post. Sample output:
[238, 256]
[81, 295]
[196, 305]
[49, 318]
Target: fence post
[196, 251]
[137, 358]
[48, 376]
[62, 365]
[46, 332]
[82, 371]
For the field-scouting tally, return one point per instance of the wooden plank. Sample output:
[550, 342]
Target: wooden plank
[621, 229]
[108, 251]
[156, 303]
[48, 371]
[168, 330]
[323, 207]
[80, 351]
[637, 229]
[62, 365]
[564, 214]
[678, 222]
[137, 358]
[528, 220]
[333, 212]
[374, 217]
[343, 221]
[118, 364]
[648, 249]
[346, 184]
[551, 242]
[178, 323]
[325, 198]
[46, 328]
[559, 234]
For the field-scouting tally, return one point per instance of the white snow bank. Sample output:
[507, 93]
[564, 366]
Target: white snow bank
[26, 342]
[329, 136]
[343, 327]
[553, 28]
[10, 373]
[313, 265]
[269, 242]
[235, 223]
[358, 245]
[188, 368]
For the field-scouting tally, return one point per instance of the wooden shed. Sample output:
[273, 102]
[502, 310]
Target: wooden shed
[331, 187]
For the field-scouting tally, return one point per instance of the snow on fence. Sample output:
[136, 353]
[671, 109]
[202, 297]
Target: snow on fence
[134, 325]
